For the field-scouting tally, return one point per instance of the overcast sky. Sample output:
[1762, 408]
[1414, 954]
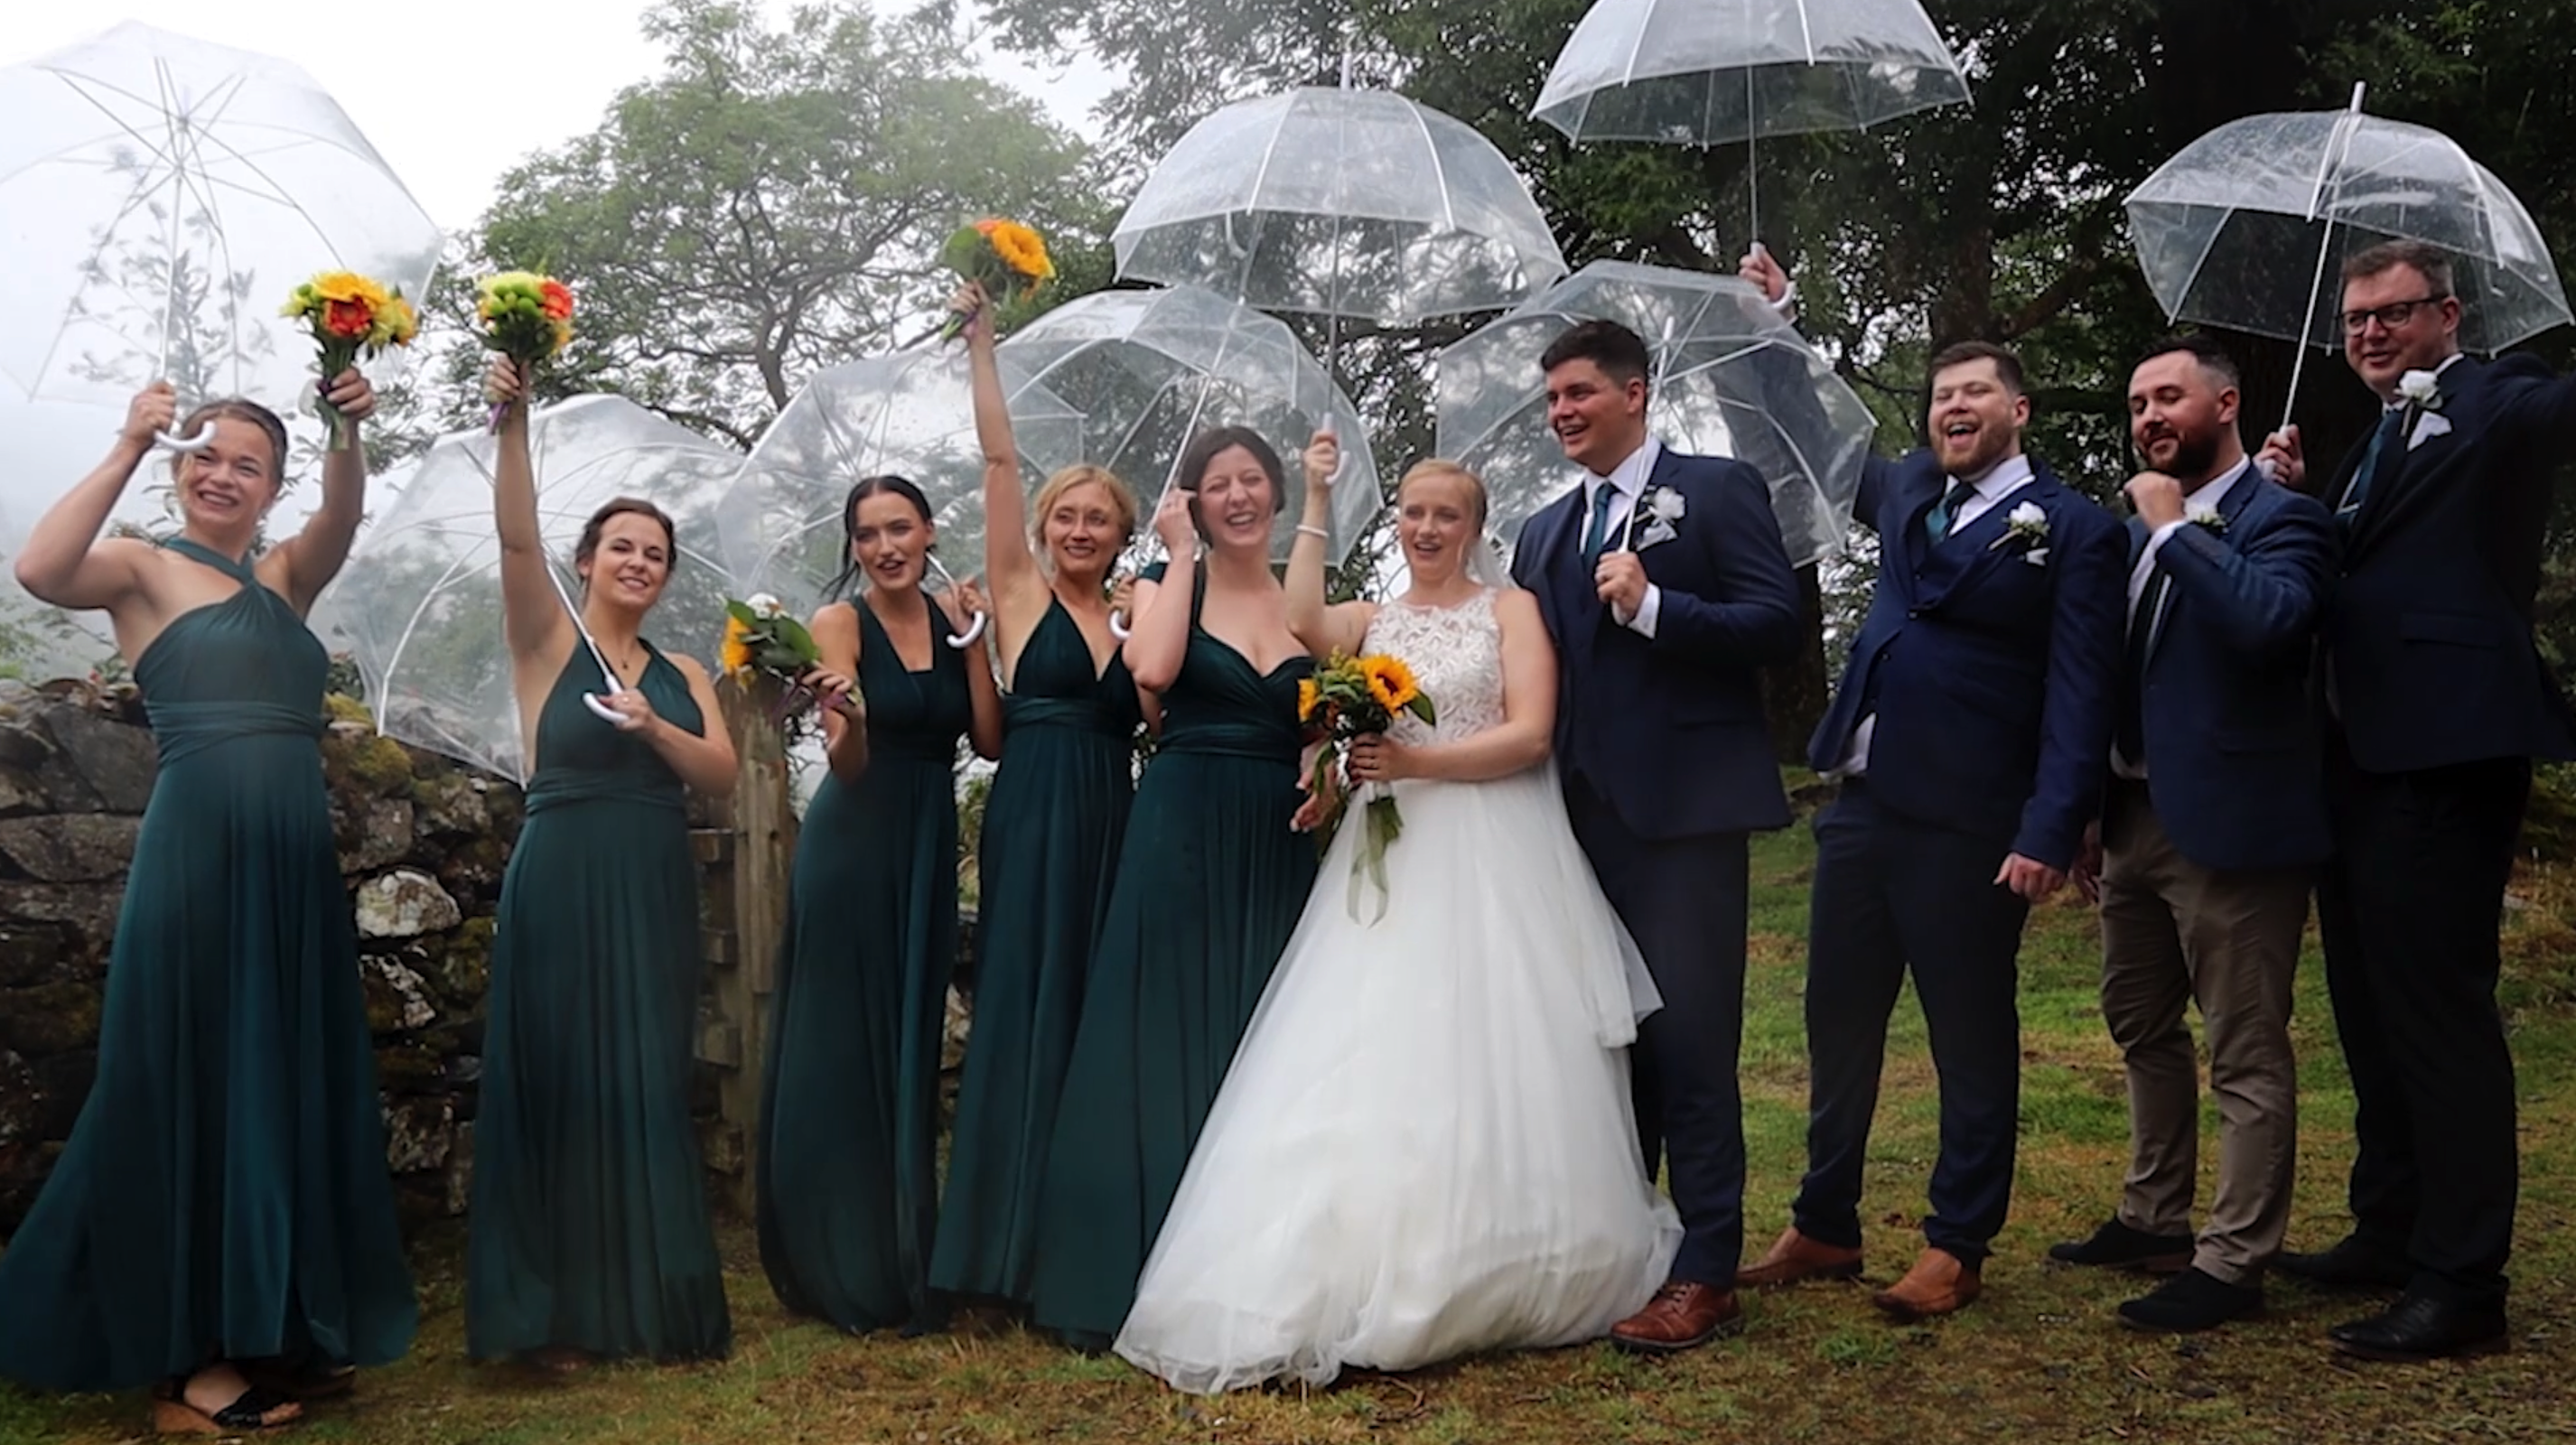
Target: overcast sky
[449, 136]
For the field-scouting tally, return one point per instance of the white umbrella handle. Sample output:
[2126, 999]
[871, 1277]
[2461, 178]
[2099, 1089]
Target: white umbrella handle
[959, 641]
[204, 438]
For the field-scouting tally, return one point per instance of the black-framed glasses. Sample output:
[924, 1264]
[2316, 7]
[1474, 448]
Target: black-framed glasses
[2390, 316]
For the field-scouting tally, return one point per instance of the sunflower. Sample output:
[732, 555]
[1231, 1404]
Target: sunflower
[1390, 682]
[349, 286]
[1022, 249]
[1307, 696]
[734, 654]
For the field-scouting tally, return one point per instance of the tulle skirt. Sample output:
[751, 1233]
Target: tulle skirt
[1425, 1147]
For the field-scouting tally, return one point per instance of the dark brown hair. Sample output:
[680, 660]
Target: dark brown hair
[2432, 262]
[621, 506]
[1619, 352]
[1203, 450]
[2213, 358]
[860, 490]
[2007, 365]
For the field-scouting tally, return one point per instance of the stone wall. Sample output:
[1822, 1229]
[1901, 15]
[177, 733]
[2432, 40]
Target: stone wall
[422, 844]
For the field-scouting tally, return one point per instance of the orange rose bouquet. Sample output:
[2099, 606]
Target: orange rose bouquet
[1355, 697]
[525, 317]
[350, 315]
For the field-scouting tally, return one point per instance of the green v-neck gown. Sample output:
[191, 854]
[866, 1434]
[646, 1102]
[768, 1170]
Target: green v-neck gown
[847, 1162]
[1049, 852]
[224, 1193]
[589, 1227]
[1211, 881]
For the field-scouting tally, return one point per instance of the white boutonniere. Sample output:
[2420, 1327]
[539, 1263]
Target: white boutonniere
[2202, 514]
[2421, 389]
[765, 606]
[2027, 527]
[1661, 509]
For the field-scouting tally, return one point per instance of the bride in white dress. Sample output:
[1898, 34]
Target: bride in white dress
[1424, 1147]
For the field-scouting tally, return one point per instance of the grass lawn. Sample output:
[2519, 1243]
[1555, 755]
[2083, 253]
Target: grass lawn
[2039, 1358]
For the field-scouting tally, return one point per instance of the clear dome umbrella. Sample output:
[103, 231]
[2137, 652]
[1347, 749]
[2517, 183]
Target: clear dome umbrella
[908, 413]
[163, 196]
[1344, 203]
[1148, 370]
[418, 605]
[1709, 72]
[2241, 229]
[1730, 379]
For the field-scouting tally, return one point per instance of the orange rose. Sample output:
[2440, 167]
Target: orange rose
[351, 319]
[555, 299]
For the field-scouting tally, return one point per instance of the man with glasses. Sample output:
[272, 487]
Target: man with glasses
[2437, 701]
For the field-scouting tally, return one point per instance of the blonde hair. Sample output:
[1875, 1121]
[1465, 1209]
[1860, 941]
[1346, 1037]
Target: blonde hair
[1430, 467]
[1122, 502]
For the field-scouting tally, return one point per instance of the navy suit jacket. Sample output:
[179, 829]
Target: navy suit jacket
[2234, 759]
[1995, 678]
[1670, 730]
[2429, 634]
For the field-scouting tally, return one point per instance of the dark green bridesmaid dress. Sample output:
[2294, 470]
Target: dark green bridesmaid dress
[847, 1164]
[589, 1227]
[223, 1195]
[1210, 884]
[1052, 826]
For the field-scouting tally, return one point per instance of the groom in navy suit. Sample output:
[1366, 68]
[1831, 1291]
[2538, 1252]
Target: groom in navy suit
[1665, 586]
[1970, 734]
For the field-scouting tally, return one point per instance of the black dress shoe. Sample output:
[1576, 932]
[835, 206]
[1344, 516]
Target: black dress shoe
[2117, 1246]
[2352, 1263]
[2191, 1300]
[2419, 1327]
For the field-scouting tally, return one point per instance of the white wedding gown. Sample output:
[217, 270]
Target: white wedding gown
[1425, 1146]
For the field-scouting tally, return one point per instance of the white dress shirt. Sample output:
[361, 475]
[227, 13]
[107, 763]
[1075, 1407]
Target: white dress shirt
[2212, 495]
[1628, 481]
[2000, 481]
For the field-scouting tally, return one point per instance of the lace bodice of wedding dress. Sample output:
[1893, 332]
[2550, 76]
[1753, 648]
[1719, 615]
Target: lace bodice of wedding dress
[1456, 654]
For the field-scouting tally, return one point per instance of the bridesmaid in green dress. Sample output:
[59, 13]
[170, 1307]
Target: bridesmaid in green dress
[1210, 883]
[588, 1231]
[221, 1221]
[1052, 826]
[846, 1169]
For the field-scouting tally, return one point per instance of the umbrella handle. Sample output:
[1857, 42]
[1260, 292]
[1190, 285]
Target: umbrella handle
[1118, 625]
[956, 640]
[204, 438]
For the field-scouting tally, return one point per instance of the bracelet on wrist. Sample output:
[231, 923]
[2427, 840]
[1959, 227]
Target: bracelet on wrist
[1316, 532]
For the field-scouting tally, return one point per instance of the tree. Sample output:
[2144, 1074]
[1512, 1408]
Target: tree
[769, 205]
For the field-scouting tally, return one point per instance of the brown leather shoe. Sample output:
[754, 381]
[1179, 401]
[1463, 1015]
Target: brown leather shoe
[1940, 1283]
[1796, 1258]
[1680, 1317]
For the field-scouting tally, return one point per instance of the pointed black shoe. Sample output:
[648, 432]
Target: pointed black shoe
[2351, 1264]
[2419, 1327]
[2117, 1246]
[2190, 1301]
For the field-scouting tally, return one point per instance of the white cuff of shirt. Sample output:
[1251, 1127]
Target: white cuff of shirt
[1649, 608]
[2156, 538]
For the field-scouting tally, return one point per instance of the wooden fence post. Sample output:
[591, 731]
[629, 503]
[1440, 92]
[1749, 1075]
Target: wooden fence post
[745, 865]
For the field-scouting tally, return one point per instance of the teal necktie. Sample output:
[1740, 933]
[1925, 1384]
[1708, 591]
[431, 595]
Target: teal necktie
[2368, 471]
[1937, 521]
[1599, 532]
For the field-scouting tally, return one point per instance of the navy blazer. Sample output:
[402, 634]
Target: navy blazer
[1995, 678]
[2235, 763]
[2429, 634]
[1670, 731]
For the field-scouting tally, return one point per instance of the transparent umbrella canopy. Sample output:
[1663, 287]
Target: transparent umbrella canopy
[419, 603]
[909, 413]
[2243, 227]
[1147, 370]
[163, 195]
[1351, 203]
[1730, 380]
[1705, 72]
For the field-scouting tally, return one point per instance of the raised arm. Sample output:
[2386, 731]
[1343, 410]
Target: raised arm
[533, 621]
[1519, 742]
[312, 557]
[1160, 636]
[2264, 592]
[64, 562]
[1323, 627]
[1019, 587]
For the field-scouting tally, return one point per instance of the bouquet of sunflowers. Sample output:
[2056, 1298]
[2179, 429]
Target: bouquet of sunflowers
[1007, 259]
[762, 641]
[525, 317]
[350, 315]
[1354, 697]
